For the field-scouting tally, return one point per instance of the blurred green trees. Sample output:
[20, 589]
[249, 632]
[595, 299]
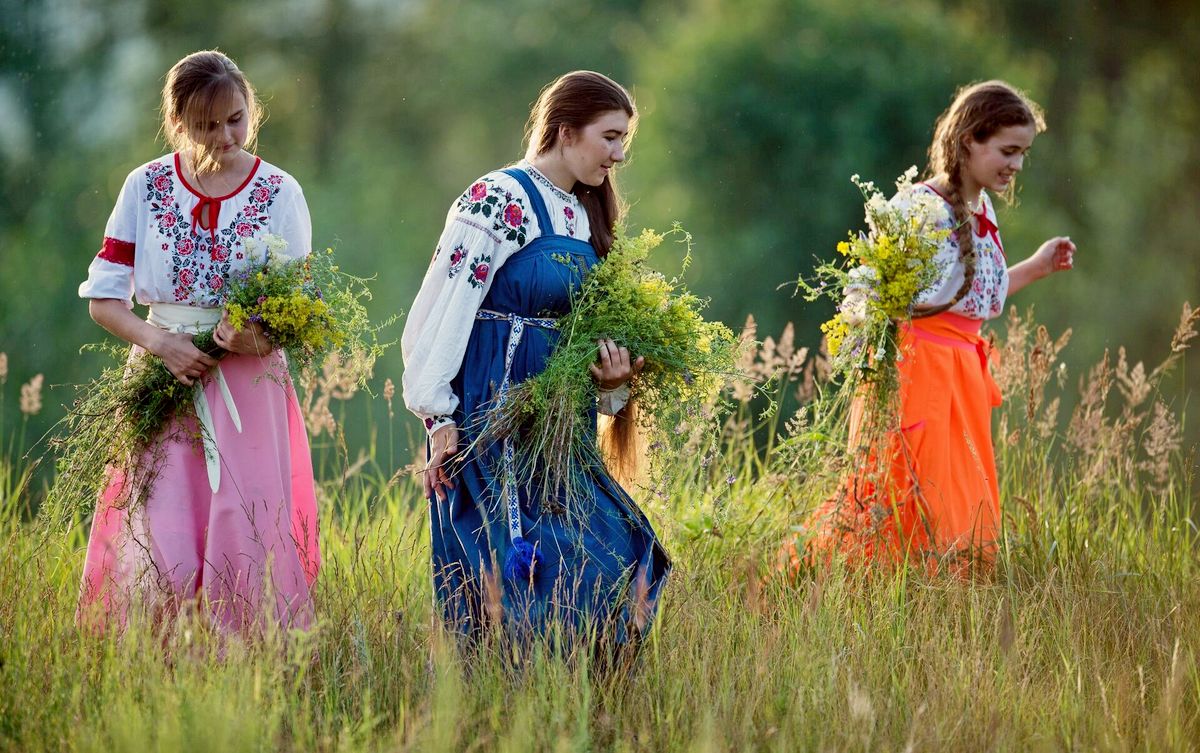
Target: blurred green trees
[754, 115]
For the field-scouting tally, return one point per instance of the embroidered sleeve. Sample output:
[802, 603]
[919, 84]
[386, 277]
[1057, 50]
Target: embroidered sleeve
[110, 274]
[487, 224]
[291, 218]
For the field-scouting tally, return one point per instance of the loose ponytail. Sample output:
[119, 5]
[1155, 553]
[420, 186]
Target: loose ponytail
[195, 88]
[575, 100]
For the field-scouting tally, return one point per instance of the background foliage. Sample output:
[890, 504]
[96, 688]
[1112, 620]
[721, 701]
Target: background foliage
[755, 114]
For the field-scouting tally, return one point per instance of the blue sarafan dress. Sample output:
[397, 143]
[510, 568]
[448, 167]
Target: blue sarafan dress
[514, 248]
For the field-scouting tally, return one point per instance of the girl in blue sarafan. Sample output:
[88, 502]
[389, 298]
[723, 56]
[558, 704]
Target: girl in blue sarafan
[514, 248]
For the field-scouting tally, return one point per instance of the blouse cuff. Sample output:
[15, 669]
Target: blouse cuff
[433, 423]
[610, 402]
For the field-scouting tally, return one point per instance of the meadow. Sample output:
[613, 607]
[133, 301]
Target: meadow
[1084, 636]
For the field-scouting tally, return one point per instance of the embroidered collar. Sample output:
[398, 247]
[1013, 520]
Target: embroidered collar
[985, 202]
[540, 178]
[984, 224]
[213, 203]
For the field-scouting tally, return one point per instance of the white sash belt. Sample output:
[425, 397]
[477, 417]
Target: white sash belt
[193, 320]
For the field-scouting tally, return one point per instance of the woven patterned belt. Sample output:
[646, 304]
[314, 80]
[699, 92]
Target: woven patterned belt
[521, 559]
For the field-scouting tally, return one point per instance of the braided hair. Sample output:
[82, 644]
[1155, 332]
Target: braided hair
[575, 100]
[977, 112]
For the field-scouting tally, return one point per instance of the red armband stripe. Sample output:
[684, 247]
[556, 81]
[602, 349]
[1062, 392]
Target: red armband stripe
[118, 252]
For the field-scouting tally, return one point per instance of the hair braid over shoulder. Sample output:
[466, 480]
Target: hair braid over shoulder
[966, 249]
[976, 114]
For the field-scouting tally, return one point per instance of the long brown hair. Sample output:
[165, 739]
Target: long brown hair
[977, 112]
[575, 100]
[195, 87]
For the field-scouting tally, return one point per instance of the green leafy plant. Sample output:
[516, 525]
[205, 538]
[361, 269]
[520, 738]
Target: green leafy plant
[687, 362]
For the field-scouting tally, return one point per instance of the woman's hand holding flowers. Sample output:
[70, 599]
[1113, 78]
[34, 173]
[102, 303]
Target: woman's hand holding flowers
[854, 307]
[182, 358]
[615, 367]
[250, 340]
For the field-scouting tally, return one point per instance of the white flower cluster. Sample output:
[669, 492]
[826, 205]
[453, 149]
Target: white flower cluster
[858, 292]
[270, 248]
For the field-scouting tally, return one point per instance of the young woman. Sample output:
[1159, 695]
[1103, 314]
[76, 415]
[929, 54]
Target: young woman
[936, 493]
[514, 248]
[230, 528]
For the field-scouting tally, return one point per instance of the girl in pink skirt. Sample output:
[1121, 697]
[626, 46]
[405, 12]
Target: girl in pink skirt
[230, 533]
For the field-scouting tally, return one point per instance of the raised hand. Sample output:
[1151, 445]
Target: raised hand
[1055, 255]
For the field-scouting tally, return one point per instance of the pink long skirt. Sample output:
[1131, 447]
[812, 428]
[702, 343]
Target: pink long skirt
[246, 555]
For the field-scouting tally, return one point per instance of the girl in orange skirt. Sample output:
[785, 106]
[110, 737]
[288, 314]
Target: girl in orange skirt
[927, 488]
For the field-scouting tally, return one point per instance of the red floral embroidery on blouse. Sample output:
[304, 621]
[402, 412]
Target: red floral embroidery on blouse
[118, 252]
[569, 213]
[480, 266]
[201, 260]
[457, 258]
[513, 215]
[502, 207]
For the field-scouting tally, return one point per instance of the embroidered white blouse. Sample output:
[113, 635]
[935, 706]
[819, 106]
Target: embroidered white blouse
[156, 249]
[986, 298]
[490, 222]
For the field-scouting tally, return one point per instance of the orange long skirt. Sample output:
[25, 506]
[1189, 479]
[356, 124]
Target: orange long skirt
[927, 491]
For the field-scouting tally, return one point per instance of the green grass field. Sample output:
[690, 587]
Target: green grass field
[1085, 637]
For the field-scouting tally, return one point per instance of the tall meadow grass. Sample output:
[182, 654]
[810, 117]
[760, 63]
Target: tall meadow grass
[1085, 636]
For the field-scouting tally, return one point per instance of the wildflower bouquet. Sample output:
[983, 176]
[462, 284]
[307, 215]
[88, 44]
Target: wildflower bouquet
[687, 361]
[877, 282]
[308, 307]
